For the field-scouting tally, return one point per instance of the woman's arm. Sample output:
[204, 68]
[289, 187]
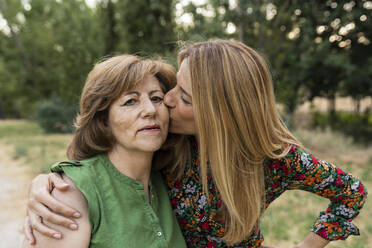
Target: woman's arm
[347, 195]
[42, 204]
[73, 198]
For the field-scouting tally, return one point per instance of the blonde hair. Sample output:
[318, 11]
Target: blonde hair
[108, 80]
[239, 126]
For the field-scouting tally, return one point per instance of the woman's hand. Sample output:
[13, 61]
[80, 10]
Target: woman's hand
[79, 238]
[43, 206]
[313, 241]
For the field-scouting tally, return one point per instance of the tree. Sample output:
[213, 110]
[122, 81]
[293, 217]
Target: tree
[56, 44]
[146, 27]
[358, 82]
[314, 48]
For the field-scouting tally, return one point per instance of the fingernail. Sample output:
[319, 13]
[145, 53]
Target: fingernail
[76, 214]
[73, 226]
[57, 236]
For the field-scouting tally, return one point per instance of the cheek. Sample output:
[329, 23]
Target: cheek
[169, 97]
[164, 114]
[186, 113]
[119, 123]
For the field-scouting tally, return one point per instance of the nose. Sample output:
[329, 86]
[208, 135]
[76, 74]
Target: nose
[169, 99]
[148, 109]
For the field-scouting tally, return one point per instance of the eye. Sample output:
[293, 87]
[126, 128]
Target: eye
[129, 102]
[185, 101]
[156, 99]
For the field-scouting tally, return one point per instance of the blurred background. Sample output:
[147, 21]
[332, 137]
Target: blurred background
[319, 53]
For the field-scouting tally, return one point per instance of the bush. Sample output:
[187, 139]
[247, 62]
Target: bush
[55, 116]
[358, 126]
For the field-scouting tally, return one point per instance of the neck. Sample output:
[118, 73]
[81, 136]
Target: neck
[134, 164]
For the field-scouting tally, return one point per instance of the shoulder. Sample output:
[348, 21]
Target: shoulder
[73, 196]
[288, 164]
[78, 238]
[81, 173]
[59, 166]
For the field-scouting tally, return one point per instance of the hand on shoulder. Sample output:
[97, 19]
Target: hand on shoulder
[79, 238]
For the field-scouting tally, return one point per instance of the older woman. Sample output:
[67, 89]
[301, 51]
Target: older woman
[122, 123]
[237, 159]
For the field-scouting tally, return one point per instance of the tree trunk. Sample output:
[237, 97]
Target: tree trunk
[332, 103]
[1, 111]
[332, 107]
[357, 105]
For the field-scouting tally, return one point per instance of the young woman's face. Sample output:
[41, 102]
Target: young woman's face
[179, 102]
[139, 118]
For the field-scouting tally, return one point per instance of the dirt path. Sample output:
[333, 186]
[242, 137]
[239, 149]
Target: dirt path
[14, 182]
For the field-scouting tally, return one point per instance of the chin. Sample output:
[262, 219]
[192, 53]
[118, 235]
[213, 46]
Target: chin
[151, 146]
[150, 149]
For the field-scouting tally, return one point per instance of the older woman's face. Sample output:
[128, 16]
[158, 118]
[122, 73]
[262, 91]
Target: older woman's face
[179, 101]
[139, 119]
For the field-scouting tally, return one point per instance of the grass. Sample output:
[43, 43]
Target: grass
[288, 219]
[31, 145]
[18, 128]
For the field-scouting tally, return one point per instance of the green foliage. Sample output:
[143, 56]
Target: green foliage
[55, 116]
[306, 43]
[52, 47]
[320, 120]
[358, 126]
[314, 48]
[140, 27]
[205, 27]
[54, 44]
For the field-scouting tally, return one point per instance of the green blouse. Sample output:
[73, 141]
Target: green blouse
[119, 211]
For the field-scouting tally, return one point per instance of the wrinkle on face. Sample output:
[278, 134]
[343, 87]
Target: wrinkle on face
[136, 109]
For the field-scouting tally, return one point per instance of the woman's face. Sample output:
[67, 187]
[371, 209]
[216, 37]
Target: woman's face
[139, 119]
[179, 102]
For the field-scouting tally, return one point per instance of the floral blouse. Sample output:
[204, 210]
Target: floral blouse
[298, 170]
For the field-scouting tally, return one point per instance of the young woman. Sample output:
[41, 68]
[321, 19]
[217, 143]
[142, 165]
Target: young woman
[237, 158]
[113, 179]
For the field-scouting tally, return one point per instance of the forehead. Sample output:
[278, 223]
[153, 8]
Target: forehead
[149, 82]
[183, 76]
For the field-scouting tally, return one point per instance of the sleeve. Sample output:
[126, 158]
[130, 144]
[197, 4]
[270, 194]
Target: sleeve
[346, 193]
[83, 179]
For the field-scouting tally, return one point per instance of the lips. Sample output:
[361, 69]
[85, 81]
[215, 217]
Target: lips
[150, 128]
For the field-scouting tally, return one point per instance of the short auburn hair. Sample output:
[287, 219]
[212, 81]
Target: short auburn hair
[108, 80]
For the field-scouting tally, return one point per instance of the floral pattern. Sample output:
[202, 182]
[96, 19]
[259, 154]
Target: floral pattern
[298, 170]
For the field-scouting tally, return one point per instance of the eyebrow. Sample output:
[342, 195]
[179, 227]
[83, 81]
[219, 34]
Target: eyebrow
[184, 91]
[138, 94]
[154, 91]
[132, 92]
